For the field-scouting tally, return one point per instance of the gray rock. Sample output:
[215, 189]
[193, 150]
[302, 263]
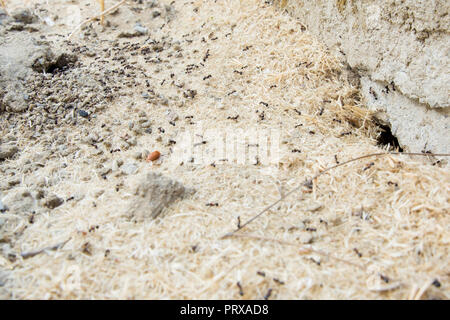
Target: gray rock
[129, 168]
[4, 18]
[2, 206]
[7, 151]
[24, 16]
[19, 200]
[116, 164]
[140, 29]
[53, 201]
[153, 193]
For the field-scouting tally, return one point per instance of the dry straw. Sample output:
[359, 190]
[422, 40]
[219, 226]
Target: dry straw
[100, 15]
[3, 4]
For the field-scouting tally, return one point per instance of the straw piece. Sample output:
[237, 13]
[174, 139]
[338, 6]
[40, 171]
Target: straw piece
[102, 14]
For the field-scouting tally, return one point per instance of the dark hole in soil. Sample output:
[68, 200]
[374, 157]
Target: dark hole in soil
[387, 138]
[64, 62]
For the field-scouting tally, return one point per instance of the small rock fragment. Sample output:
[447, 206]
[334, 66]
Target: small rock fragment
[53, 201]
[116, 164]
[24, 16]
[129, 168]
[2, 206]
[140, 29]
[306, 238]
[7, 152]
[83, 113]
[19, 200]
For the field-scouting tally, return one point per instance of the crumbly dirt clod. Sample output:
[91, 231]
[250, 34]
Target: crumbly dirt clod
[154, 193]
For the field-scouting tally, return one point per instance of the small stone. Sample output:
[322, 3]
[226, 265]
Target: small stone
[24, 16]
[19, 200]
[306, 238]
[129, 168]
[146, 124]
[53, 201]
[156, 14]
[7, 152]
[2, 206]
[104, 171]
[137, 155]
[92, 138]
[132, 141]
[116, 164]
[83, 113]
[314, 207]
[99, 192]
[171, 116]
[140, 29]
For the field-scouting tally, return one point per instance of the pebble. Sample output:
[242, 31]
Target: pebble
[2, 206]
[129, 168]
[132, 141]
[7, 152]
[140, 29]
[24, 16]
[92, 138]
[137, 155]
[53, 201]
[116, 164]
[306, 238]
[83, 113]
[19, 200]
[171, 115]
[146, 124]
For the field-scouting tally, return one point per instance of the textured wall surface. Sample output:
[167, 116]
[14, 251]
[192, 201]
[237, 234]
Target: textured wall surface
[401, 50]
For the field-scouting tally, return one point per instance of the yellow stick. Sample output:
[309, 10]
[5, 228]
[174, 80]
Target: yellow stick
[96, 17]
[102, 9]
[3, 4]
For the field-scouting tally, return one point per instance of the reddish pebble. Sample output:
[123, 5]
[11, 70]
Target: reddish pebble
[153, 156]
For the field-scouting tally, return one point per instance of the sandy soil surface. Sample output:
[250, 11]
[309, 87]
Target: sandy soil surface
[84, 215]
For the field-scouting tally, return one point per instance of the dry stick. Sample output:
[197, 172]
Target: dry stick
[96, 17]
[30, 254]
[305, 249]
[102, 8]
[3, 4]
[308, 182]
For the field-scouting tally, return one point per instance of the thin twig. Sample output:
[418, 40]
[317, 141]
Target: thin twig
[308, 182]
[3, 4]
[102, 14]
[30, 254]
[304, 249]
[102, 8]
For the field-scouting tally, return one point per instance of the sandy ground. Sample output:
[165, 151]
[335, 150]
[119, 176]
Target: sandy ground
[160, 71]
